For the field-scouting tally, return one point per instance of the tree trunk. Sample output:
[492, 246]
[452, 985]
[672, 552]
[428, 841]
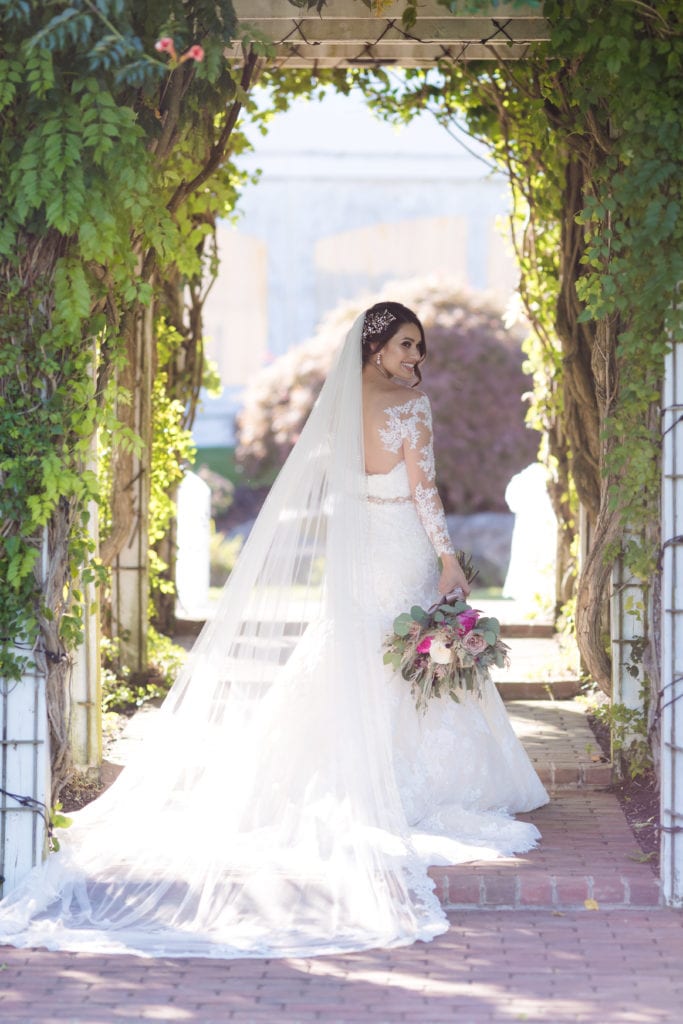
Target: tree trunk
[582, 415]
[589, 384]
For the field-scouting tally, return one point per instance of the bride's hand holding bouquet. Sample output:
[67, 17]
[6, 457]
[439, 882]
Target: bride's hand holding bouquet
[448, 648]
[454, 577]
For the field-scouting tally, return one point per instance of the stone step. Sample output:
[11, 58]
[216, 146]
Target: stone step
[530, 689]
[540, 668]
[527, 630]
[484, 887]
[588, 858]
[569, 775]
[560, 743]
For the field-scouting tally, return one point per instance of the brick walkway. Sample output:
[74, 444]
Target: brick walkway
[523, 944]
[588, 850]
[614, 967]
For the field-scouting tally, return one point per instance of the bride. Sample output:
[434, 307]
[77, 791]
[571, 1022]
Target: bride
[289, 797]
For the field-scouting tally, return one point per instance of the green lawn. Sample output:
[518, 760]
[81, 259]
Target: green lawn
[221, 461]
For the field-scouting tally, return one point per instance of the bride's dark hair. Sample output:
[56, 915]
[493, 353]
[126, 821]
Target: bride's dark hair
[380, 325]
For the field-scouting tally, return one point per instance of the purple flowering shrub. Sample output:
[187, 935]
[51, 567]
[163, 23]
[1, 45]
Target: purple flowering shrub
[473, 376]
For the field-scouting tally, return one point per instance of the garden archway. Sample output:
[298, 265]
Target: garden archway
[353, 38]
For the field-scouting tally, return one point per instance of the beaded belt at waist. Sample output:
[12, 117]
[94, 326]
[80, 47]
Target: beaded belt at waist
[387, 501]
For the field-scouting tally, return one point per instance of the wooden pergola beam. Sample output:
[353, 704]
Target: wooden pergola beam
[360, 30]
[301, 56]
[347, 34]
[337, 10]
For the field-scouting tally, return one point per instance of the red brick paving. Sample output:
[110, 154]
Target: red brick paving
[547, 960]
[612, 967]
[587, 852]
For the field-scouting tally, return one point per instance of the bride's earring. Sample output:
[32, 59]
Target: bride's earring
[379, 360]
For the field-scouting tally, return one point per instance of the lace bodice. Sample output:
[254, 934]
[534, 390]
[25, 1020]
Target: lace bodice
[408, 430]
[391, 486]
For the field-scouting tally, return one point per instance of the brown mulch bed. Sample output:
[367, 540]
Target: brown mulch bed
[81, 787]
[639, 799]
[79, 791]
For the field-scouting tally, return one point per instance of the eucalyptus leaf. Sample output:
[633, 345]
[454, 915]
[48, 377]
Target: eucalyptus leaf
[402, 624]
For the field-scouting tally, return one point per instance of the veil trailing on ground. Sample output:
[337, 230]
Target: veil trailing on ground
[261, 816]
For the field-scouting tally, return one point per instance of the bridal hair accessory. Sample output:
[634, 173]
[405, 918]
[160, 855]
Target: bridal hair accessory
[446, 649]
[375, 323]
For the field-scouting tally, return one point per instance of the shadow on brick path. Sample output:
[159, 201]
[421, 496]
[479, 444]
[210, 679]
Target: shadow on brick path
[524, 945]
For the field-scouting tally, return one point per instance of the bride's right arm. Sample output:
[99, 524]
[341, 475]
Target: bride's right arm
[418, 452]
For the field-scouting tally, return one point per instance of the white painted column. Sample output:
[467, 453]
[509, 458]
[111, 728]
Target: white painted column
[86, 692]
[85, 696]
[193, 563]
[672, 630]
[130, 570]
[24, 772]
[628, 621]
[24, 775]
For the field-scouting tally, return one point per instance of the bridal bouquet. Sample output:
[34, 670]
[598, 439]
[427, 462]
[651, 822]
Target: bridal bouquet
[447, 648]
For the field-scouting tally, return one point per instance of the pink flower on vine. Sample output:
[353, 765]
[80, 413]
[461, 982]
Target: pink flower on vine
[195, 52]
[165, 45]
[424, 645]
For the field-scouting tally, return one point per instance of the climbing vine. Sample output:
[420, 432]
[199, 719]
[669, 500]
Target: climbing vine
[588, 132]
[106, 149]
[114, 158]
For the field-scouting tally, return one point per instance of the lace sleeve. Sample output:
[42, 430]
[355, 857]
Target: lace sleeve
[416, 435]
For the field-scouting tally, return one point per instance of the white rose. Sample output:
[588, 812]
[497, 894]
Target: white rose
[439, 653]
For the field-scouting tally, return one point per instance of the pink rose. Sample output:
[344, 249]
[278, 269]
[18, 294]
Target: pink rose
[474, 643]
[424, 645]
[467, 620]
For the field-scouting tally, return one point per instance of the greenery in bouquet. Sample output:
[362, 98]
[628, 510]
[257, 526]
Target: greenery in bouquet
[445, 649]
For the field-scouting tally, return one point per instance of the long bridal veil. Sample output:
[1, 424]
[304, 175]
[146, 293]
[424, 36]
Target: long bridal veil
[261, 817]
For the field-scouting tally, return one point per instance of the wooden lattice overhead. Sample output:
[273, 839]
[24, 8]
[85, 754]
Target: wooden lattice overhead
[347, 33]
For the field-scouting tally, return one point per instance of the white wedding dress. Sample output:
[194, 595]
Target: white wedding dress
[460, 769]
[289, 797]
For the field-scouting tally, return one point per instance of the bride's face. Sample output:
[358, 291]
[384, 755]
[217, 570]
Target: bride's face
[401, 354]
